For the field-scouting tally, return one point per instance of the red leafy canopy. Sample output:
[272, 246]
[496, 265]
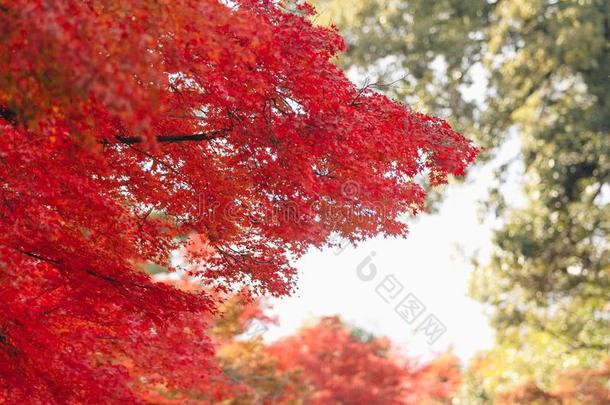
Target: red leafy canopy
[347, 367]
[127, 124]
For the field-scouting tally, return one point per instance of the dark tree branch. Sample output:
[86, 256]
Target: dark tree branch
[203, 136]
[38, 257]
[115, 282]
[155, 159]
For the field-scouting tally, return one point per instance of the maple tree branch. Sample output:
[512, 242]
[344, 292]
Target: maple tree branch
[144, 218]
[45, 259]
[115, 282]
[368, 85]
[354, 102]
[156, 159]
[202, 136]
[109, 279]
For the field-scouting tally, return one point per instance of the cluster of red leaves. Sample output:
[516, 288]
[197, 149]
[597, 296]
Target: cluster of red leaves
[117, 119]
[246, 374]
[340, 367]
[435, 382]
[74, 308]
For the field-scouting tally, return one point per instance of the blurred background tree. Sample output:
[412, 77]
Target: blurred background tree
[325, 362]
[538, 70]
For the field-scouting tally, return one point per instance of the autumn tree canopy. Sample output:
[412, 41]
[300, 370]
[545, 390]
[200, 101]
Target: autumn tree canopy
[340, 365]
[127, 125]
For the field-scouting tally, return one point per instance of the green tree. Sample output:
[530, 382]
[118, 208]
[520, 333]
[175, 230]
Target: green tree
[546, 68]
